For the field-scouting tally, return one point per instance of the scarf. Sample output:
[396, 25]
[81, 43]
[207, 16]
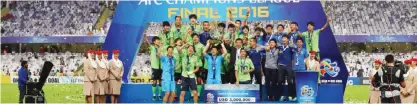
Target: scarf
[93, 64]
[118, 63]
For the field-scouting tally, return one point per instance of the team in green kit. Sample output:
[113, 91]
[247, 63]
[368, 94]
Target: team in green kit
[196, 53]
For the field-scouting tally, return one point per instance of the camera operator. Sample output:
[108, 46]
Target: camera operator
[389, 80]
[23, 79]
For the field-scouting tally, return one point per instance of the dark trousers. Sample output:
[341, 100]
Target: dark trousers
[231, 75]
[258, 79]
[22, 91]
[281, 80]
[395, 99]
[271, 82]
[290, 77]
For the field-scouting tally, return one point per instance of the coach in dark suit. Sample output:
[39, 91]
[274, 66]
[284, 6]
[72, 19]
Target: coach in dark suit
[234, 55]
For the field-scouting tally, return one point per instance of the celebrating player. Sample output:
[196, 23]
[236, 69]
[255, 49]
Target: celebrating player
[243, 68]
[190, 65]
[193, 26]
[214, 63]
[312, 36]
[255, 52]
[168, 82]
[178, 30]
[156, 66]
[165, 34]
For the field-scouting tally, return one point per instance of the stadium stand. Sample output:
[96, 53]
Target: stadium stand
[363, 62]
[372, 17]
[65, 64]
[53, 18]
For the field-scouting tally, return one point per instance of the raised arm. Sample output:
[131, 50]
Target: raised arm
[230, 14]
[146, 39]
[206, 48]
[325, 25]
[246, 17]
[224, 53]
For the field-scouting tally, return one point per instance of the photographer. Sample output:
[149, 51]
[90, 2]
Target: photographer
[389, 80]
[23, 79]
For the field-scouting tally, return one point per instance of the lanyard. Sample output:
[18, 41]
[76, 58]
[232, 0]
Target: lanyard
[284, 47]
[242, 65]
[213, 65]
[272, 52]
[296, 56]
[171, 67]
[309, 39]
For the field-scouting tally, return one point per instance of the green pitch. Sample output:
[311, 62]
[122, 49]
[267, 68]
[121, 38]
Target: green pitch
[72, 93]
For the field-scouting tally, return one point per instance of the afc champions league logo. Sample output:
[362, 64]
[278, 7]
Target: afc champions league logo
[307, 91]
[210, 98]
[329, 67]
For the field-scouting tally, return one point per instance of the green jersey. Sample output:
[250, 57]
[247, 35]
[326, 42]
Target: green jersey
[226, 63]
[177, 56]
[241, 65]
[165, 37]
[312, 40]
[155, 64]
[189, 63]
[178, 32]
[196, 28]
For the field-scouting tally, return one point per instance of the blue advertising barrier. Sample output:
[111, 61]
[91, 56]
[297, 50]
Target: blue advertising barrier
[306, 86]
[131, 18]
[228, 93]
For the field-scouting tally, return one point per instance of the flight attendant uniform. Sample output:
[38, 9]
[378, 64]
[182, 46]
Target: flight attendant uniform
[375, 94]
[116, 69]
[90, 75]
[410, 82]
[101, 68]
[105, 72]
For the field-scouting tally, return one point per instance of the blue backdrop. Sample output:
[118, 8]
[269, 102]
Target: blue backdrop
[131, 19]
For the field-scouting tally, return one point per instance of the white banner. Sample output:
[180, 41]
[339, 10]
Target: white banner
[55, 79]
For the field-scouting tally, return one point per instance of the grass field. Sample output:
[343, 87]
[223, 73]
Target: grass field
[72, 93]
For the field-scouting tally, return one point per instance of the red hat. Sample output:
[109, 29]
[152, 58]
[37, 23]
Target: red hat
[378, 62]
[105, 51]
[90, 51]
[413, 59]
[116, 51]
[407, 61]
[312, 52]
[98, 52]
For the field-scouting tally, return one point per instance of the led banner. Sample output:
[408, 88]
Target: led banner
[228, 93]
[54, 39]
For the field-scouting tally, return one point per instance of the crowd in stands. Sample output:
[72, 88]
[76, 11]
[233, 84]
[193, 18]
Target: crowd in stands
[55, 18]
[372, 17]
[65, 64]
[359, 64]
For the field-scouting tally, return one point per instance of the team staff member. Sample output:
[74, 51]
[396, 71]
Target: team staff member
[116, 73]
[271, 69]
[374, 96]
[243, 68]
[312, 36]
[23, 79]
[156, 66]
[285, 69]
[90, 76]
[214, 63]
[168, 82]
[255, 53]
[191, 63]
[234, 55]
